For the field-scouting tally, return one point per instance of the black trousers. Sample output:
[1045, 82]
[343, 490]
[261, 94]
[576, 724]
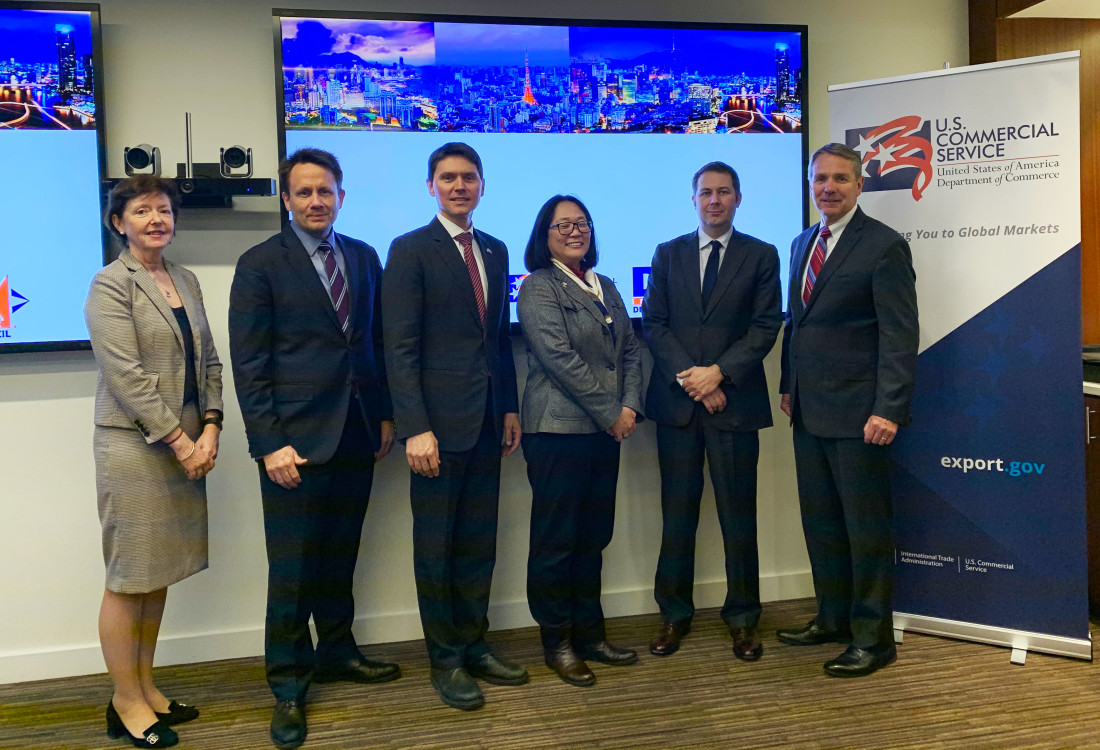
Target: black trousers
[313, 534]
[844, 493]
[732, 457]
[573, 479]
[454, 548]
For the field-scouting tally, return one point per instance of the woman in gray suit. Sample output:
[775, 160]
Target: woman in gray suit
[158, 411]
[582, 399]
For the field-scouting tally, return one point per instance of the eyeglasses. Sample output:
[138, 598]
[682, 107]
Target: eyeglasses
[566, 227]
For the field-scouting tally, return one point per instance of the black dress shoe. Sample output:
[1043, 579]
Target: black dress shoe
[178, 713]
[288, 724]
[860, 662]
[364, 671]
[812, 635]
[568, 666]
[605, 653]
[667, 640]
[457, 688]
[158, 735]
[746, 644]
[497, 671]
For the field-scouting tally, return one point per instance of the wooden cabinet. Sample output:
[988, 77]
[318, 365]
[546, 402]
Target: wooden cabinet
[1092, 498]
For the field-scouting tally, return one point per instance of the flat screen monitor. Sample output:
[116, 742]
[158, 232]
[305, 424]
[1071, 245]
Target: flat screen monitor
[52, 161]
[620, 114]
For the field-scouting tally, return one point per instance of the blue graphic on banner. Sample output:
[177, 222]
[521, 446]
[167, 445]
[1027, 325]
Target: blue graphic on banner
[997, 437]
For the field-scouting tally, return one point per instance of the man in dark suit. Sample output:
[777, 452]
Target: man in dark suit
[849, 355]
[711, 313]
[449, 359]
[305, 334]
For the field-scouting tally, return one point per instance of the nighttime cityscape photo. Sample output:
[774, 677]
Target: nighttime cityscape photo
[46, 71]
[348, 74]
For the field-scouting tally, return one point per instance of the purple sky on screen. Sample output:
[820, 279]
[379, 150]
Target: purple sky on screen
[305, 40]
[501, 44]
[29, 36]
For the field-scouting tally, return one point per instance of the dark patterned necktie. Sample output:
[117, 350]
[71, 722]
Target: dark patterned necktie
[467, 241]
[710, 273]
[338, 289]
[817, 259]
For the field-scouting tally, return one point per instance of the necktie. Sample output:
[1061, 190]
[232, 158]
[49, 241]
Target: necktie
[817, 259]
[337, 287]
[710, 273]
[467, 241]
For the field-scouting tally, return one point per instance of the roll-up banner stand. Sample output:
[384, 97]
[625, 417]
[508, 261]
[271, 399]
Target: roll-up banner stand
[979, 169]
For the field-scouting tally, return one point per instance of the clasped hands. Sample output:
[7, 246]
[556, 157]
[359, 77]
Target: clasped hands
[197, 457]
[701, 383]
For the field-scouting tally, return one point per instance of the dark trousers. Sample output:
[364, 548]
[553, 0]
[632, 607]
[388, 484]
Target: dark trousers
[844, 492]
[313, 534]
[732, 457]
[454, 548]
[573, 479]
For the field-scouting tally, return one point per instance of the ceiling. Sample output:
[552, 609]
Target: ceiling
[1061, 9]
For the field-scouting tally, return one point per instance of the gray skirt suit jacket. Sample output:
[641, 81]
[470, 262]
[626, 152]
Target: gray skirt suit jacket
[579, 376]
[153, 518]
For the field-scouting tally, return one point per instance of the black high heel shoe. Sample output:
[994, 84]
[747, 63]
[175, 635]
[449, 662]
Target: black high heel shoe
[158, 735]
[178, 713]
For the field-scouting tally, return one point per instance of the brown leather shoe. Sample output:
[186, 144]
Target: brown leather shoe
[568, 666]
[746, 644]
[667, 640]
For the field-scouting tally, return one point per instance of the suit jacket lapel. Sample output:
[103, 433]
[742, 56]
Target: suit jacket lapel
[687, 262]
[579, 295]
[452, 260]
[492, 262]
[794, 288]
[731, 264]
[844, 246]
[351, 260]
[144, 281]
[189, 307]
[298, 259]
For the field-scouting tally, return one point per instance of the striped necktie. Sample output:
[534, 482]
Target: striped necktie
[817, 259]
[338, 289]
[467, 241]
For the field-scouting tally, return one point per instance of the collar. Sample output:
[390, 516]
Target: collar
[311, 243]
[705, 239]
[453, 229]
[838, 226]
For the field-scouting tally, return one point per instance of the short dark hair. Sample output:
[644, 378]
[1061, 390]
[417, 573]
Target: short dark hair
[454, 148]
[309, 156]
[538, 254]
[717, 166]
[126, 190]
[844, 152]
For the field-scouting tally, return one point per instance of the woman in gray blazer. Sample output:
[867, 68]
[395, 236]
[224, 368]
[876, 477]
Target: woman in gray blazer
[582, 399]
[158, 411]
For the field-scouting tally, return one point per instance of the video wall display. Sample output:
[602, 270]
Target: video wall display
[619, 114]
[51, 156]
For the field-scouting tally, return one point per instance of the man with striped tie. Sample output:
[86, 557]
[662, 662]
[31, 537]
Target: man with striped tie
[450, 363]
[849, 357]
[305, 335]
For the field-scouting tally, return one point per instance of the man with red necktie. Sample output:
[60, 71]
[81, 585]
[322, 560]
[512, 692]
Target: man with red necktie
[305, 334]
[453, 381]
[849, 357]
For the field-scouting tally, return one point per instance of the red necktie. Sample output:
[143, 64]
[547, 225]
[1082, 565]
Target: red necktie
[337, 288]
[816, 261]
[467, 241]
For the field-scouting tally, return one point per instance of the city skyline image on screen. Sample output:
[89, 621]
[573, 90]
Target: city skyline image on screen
[542, 102]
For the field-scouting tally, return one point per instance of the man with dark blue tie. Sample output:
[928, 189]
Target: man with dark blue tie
[710, 315]
[305, 334]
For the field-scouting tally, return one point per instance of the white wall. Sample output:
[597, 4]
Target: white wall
[215, 59]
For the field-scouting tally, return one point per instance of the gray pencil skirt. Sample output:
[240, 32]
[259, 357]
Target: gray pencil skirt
[153, 516]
